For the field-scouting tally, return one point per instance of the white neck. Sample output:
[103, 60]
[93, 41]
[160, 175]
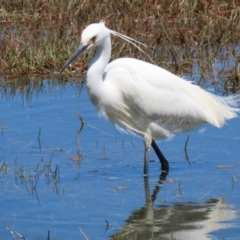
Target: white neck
[99, 62]
[95, 71]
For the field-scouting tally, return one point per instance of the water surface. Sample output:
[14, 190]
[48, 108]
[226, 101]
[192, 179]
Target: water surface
[55, 179]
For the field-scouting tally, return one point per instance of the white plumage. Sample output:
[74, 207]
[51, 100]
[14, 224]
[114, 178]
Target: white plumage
[145, 98]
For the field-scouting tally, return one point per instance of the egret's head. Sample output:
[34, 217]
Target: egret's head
[92, 35]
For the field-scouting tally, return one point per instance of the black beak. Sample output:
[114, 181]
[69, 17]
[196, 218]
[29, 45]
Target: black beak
[81, 48]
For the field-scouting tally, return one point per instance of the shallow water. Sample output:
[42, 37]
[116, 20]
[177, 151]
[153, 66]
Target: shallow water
[44, 188]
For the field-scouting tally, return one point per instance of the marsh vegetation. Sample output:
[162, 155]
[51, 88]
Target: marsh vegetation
[186, 37]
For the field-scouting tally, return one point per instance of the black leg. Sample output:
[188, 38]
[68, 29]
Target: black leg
[162, 159]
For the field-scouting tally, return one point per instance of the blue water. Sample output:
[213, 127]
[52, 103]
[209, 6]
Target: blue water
[103, 193]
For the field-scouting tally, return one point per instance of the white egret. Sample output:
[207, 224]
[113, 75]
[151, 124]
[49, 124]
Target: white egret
[144, 98]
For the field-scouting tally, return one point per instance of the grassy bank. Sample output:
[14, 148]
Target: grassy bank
[37, 36]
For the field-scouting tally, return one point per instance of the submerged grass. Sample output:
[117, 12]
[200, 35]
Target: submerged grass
[30, 178]
[37, 36]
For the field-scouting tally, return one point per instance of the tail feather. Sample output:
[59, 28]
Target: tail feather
[223, 108]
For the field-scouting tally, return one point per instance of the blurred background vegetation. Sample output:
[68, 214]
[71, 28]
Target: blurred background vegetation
[185, 36]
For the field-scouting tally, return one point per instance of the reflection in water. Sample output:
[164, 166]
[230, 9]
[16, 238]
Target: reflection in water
[27, 88]
[178, 221]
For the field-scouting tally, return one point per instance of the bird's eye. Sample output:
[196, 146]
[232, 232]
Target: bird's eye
[93, 39]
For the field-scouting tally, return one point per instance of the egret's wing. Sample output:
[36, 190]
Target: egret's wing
[159, 95]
